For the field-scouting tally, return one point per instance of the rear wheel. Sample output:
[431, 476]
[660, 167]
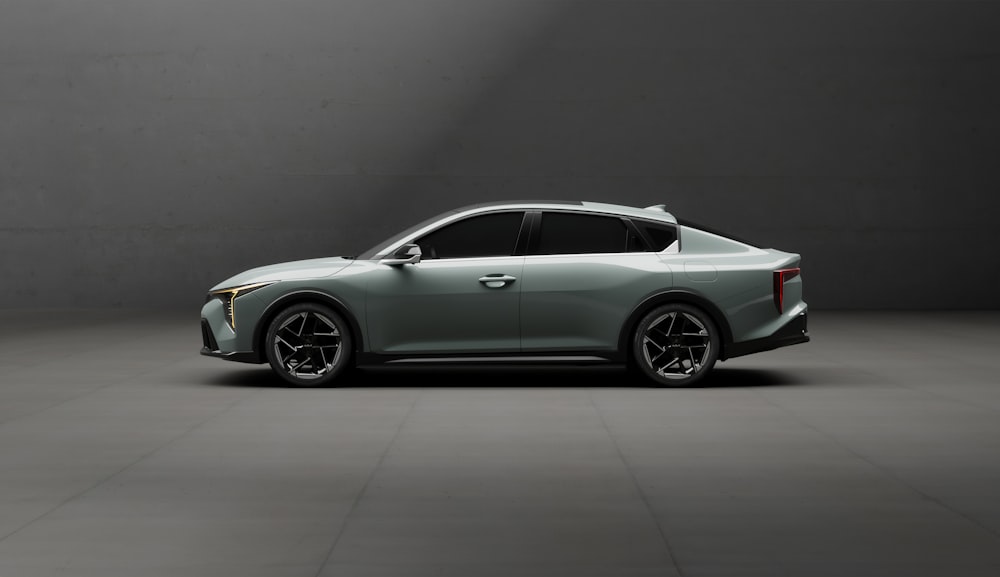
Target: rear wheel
[675, 345]
[308, 345]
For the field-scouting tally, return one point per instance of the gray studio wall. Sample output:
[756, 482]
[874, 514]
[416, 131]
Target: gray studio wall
[149, 149]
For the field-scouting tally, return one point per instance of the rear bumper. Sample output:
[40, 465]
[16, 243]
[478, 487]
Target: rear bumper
[792, 333]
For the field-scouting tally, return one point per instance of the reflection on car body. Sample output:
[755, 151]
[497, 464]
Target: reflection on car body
[547, 282]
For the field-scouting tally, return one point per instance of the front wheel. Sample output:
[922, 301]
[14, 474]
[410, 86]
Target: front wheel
[675, 345]
[308, 345]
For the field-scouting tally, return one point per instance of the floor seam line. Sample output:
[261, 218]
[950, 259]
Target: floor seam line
[364, 488]
[887, 472]
[892, 382]
[135, 462]
[131, 377]
[638, 487]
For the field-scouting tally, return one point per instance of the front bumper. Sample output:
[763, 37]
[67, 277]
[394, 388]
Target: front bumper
[793, 332]
[249, 357]
[218, 340]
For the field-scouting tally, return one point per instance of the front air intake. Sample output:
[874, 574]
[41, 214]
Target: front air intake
[207, 338]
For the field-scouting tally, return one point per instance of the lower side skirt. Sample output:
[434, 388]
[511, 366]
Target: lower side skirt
[370, 359]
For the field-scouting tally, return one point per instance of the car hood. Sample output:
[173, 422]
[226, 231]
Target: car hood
[295, 270]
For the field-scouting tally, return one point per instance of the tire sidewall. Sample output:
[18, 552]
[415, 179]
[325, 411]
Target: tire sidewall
[639, 359]
[346, 345]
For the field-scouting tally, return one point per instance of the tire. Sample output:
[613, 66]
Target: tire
[308, 345]
[675, 345]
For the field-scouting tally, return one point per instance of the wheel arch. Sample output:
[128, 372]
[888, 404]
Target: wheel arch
[298, 297]
[670, 297]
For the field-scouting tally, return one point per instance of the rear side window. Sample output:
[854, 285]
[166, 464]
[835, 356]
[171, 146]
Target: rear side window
[565, 233]
[659, 234]
[476, 236]
[635, 242]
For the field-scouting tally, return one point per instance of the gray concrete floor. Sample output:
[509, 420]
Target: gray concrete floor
[874, 450]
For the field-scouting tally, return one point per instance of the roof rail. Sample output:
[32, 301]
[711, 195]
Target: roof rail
[657, 207]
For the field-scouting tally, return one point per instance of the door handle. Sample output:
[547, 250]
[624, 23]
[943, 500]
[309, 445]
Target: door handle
[497, 280]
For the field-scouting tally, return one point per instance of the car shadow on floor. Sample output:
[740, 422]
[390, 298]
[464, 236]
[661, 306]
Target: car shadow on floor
[510, 377]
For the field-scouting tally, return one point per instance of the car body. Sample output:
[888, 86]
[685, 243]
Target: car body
[568, 282]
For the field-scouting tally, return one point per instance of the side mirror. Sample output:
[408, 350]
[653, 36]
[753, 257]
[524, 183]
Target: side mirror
[406, 254]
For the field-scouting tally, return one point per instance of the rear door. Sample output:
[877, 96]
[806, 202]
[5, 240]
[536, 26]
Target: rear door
[583, 275]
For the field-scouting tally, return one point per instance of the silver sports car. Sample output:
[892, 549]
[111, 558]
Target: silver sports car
[517, 282]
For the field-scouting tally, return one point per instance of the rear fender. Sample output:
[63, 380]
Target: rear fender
[675, 296]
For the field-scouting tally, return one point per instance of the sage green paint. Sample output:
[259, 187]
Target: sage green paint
[557, 302]
[579, 302]
[440, 305]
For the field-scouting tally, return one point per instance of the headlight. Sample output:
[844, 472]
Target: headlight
[228, 298]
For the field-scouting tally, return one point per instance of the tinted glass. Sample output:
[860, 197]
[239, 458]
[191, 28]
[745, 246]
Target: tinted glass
[564, 233]
[661, 235]
[714, 231]
[476, 236]
[636, 242]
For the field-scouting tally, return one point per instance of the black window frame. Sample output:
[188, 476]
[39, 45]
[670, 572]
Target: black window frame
[635, 230]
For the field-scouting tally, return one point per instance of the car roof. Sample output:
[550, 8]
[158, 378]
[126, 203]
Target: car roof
[657, 212]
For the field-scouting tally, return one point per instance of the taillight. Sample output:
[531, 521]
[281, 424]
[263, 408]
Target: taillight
[780, 278]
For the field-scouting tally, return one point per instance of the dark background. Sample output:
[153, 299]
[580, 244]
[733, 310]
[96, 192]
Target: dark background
[151, 148]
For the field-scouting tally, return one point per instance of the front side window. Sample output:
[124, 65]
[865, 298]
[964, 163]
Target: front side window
[567, 233]
[477, 236]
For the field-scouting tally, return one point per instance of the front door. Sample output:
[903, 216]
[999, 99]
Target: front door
[463, 297]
